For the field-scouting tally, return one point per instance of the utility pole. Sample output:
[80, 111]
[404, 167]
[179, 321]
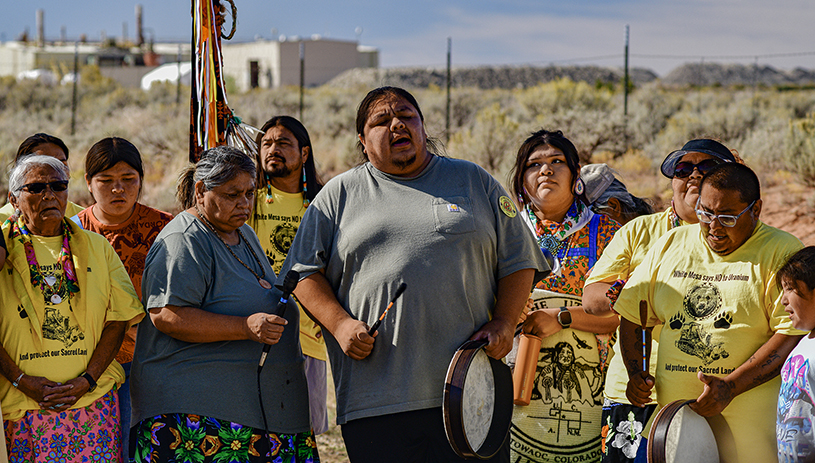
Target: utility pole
[178, 84]
[302, 75]
[625, 80]
[76, 82]
[449, 79]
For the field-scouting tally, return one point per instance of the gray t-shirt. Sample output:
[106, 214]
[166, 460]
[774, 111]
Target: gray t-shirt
[447, 236]
[188, 266]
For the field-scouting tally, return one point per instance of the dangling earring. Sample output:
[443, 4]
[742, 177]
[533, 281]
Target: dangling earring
[305, 189]
[579, 187]
[269, 194]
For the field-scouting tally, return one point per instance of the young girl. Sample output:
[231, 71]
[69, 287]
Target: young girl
[793, 429]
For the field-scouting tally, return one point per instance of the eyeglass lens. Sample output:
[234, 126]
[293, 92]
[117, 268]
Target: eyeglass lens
[725, 220]
[39, 187]
[684, 169]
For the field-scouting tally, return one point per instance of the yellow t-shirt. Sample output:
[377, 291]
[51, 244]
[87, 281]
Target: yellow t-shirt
[276, 224]
[57, 340]
[71, 210]
[621, 256]
[717, 312]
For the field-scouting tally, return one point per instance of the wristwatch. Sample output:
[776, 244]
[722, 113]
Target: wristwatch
[92, 383]
[564, 317]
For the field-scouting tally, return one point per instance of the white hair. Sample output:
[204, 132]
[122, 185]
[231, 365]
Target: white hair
[19, 172]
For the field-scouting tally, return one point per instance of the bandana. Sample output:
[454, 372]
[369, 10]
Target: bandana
[553, 237]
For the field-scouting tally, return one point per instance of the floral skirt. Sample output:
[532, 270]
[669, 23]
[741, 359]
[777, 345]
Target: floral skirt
[77, 435]
[198, 439]
[623, 425]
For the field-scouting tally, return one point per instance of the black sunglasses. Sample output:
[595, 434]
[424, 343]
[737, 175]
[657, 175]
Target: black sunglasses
[38, 187]
[684, 169]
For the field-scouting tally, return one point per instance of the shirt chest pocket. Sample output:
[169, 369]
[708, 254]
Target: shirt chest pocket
[454, 215]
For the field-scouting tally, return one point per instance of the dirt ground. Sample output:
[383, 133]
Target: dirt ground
[790, 207]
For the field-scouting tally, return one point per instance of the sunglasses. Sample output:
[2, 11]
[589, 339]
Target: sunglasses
[725, 220]
[684, 169]
[38, 187]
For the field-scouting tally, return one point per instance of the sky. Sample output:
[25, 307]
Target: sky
[664, 34]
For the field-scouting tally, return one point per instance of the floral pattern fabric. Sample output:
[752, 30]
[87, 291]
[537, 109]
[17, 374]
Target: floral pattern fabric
[575, 268]
[87, 434]
[623, 440]
[187, 438]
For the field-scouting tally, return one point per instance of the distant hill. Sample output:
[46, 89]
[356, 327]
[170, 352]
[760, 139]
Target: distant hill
[505, 77]
[736, 74]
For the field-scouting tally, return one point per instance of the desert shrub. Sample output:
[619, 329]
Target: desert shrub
[649, 110]
[564, 95]
[490, 142]
[800, 155]
[773, 130]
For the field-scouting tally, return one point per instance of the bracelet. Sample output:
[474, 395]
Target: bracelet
[16, 382]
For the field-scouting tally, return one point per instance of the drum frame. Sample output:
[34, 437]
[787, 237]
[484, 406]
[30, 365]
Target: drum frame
[659, 430]
[453, 400]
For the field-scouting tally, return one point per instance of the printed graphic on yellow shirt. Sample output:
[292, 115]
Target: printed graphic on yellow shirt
[283, 236]
[58, 327]
[702, 302]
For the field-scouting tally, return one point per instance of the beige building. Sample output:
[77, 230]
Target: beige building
[125, 65]
[263, 63]
[273, 63]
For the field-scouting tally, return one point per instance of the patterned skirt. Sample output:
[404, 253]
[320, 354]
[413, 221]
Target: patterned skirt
[182, 437]
[623, 427]
[77, 435]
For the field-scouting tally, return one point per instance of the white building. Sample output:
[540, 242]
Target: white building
[264, 63]
[272, 63]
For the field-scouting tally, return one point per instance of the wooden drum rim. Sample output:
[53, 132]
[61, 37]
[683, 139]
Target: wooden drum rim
[659, 430]
[452, 404]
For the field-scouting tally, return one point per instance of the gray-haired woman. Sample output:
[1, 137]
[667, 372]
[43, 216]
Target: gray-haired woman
[65, 305]
[608, 195]
[206, 287]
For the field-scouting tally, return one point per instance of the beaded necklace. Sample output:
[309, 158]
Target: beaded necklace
[675, 220]
[261, 278]
[67, 282]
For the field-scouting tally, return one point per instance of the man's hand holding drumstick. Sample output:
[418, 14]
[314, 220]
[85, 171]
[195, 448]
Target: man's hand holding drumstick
[635, 342]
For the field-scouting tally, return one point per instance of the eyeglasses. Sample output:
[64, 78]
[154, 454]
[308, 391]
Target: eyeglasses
[725, 220]
[684, 168]
[38, 187]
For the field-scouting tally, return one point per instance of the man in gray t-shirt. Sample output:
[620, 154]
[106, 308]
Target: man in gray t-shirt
[449, 231]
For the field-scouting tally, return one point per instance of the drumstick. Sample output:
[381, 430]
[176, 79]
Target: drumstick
[399, 292]
[643, 318]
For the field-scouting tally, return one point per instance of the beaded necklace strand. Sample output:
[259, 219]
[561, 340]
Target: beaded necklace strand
[261, 278]
[51, 291]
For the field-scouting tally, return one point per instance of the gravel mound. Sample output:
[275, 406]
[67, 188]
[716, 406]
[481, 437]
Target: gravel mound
[486, 77]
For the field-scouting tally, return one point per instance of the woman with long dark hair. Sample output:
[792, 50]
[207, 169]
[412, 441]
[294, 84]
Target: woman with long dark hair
[546, 181]
[114, 174]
